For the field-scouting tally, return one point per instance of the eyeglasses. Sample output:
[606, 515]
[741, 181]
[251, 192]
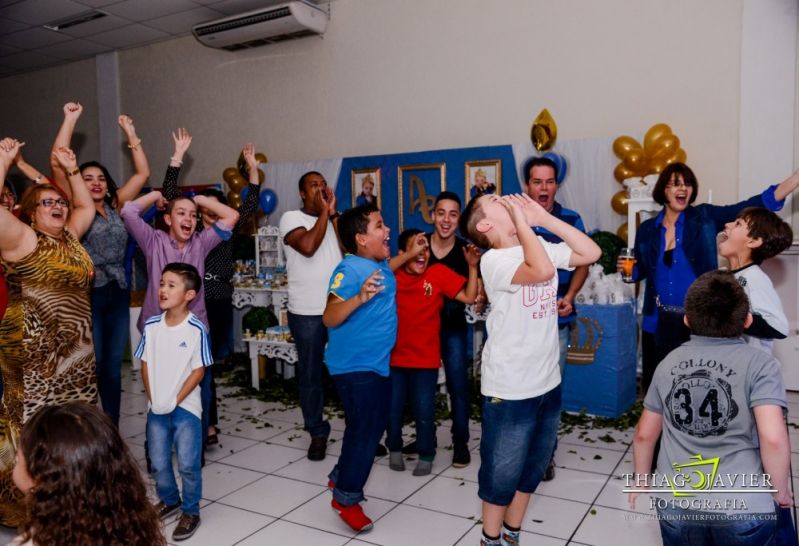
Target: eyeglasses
[678, 184]
[50, 202]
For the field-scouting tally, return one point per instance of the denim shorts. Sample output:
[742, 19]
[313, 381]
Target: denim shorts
[518, 439]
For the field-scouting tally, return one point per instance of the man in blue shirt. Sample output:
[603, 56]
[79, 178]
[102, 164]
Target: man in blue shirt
[540, 176]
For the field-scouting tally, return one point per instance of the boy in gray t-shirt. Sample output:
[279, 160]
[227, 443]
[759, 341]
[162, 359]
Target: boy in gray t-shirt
[719, 403]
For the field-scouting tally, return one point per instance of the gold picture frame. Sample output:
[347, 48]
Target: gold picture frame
[359, 176]
[418, 182]
[491, 172]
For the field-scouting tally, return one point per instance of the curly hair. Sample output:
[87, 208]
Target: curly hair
[88, 489]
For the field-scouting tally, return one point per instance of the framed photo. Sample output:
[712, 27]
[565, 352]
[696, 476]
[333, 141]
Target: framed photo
[366, 187]
[417, 188]
[483, 177]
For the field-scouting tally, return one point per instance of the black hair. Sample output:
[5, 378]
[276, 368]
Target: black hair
[716, 305]
[406, 235]
[680, 169]
[301, 183]
[536, 161]
[213, 192]
[775, 232]
[452, 196]
[467, 224]
[352, 222]
[111, 194]
[187, 272]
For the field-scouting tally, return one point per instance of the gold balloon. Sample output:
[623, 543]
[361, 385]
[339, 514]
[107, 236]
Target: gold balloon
[680, 156]
[624, 145]
[654, 134]
[635, 161]
[229, 173]
[666, 146]
[657, 164]
[544, 132]
[234, 199]
[237, 183]
[622, 231]
[619, 202]
[261, 157]
[622, 173]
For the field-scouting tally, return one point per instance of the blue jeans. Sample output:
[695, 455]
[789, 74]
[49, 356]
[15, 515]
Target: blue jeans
[310, 336]
[421, 385]
[366, 397]
[516, 445]
[678, 529]
[110, 332]
[180, 429]
[453, 353]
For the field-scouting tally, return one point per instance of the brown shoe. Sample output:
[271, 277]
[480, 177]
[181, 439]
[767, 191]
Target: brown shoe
[187, 526]
[164, 510]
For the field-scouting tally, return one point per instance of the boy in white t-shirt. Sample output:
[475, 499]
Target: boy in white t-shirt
[174, 350]
[520, 379]
[756, 235]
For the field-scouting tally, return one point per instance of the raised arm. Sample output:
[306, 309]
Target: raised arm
[82, 209]
[16, 238]
[787, 186]
[469, 292]
[227, 216]
[141, 168]
[307, 241]
[72, 112]
[182, 140]
[418, 245]
[584, 250]
[250, 204]
[524, 212]
[30, 172]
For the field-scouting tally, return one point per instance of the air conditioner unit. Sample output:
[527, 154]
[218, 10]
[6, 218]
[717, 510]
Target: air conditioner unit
[263, 26]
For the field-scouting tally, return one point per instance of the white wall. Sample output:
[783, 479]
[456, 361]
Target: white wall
[400, 76]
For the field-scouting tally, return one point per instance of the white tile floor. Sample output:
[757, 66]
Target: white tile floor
[259, 488]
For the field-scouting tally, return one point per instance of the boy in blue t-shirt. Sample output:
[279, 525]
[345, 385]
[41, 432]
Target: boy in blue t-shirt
[361, 315]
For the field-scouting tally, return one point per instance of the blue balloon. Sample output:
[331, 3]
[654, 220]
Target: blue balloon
[244, 193]
[560, 164]
[268, 201]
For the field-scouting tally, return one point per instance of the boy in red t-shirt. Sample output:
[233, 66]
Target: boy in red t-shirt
[417, 355]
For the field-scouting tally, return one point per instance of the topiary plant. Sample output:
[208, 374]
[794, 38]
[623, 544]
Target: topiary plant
[258, 318]
[611, 244]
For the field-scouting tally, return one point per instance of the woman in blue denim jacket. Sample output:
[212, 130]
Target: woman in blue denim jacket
[675, 247]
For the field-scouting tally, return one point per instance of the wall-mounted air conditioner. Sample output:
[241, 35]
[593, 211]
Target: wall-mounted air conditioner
[263, 26]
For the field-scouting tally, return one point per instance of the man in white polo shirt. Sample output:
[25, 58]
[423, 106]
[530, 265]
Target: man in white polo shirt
[312, 252]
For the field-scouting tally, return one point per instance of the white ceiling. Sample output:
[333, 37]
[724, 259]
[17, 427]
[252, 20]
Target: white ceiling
[25, 44]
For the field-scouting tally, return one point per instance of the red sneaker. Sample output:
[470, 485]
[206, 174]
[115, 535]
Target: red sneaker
[352, 516]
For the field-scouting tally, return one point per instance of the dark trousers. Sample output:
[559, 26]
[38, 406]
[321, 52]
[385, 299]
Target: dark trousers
[310, 336]
[366, 397]
[418, 384]
[220, 320]
[453, 353]
[110, 332]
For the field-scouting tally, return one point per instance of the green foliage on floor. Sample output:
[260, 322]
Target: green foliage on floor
[286, 392]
